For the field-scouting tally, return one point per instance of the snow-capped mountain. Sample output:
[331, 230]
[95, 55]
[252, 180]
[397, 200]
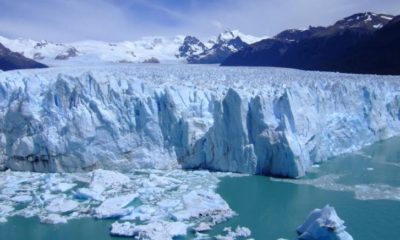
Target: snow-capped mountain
[179, 49]
[161, 48]
[366, 20]
[191, 46]
[225, 44]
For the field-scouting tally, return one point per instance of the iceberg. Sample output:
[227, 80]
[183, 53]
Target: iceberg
[62, 205]
[265, 121]
[108, 179]
[22, 199]
[202, 203]
[90, 193]
[323, 224]
[114, 207]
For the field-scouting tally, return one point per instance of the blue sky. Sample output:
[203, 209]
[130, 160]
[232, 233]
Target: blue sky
[117, 20]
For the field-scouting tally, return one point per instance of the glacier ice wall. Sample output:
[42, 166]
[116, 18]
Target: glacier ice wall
[250, 120]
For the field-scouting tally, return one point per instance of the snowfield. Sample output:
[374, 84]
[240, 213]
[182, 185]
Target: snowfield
[249, 120]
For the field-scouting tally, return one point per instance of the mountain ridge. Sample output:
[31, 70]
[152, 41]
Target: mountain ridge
[11, 60]
[178, 49]
[325, 48]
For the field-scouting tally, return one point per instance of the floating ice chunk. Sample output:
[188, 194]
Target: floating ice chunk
[8, 191]
[62, 205]
[22, 199]
[90, 193]
[143, 213]
[125, 229]
[168, 203]
[47, 196]
[370, 169]
[240, 232]
[202, 227]
[62, 187]
[323, 224]
[161, 181]
[5, 209]
[202, 236]
[53, 218]
[159, 230]
[114, 207]
[108, 178]
[202, 203]
[28, 212]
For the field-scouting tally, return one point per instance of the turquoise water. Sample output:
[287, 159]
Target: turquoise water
[19, 228]
[273, 209]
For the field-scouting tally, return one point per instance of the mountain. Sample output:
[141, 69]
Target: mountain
[318, 48]
[191, 46]
[216, 51]
[379, 54]
[226, 44]
[179, 49]
[297, 35]
[94, 52]
[11, 60]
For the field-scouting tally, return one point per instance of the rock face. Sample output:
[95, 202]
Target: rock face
[191, 46]
[258, 121]
[69, 53]
[11, 60]
[323, 224]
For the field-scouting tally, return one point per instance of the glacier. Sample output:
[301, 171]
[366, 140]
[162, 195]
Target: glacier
[266, 121]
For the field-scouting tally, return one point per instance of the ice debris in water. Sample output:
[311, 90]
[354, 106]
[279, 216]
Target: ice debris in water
[146, 204]
[323, 224]
[158, 230]
[242, 232]
[53, 218]
[361, 191]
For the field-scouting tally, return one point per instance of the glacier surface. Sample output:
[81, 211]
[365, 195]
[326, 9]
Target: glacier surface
[265, 121]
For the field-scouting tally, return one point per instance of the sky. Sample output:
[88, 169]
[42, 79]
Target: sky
[119, 20]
